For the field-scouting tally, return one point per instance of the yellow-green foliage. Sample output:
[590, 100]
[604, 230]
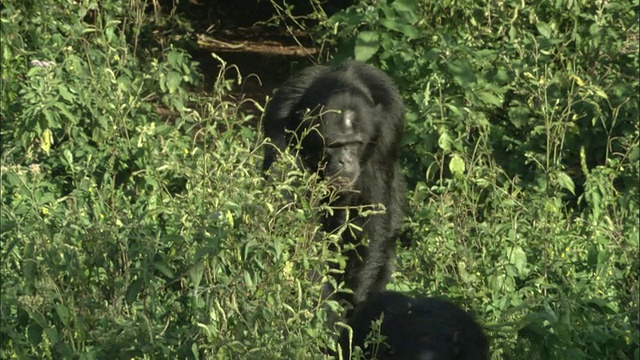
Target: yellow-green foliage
[127, 235]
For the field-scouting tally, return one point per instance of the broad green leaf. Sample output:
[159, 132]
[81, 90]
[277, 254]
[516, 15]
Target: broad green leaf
[173, 81]
[35, 334]
[174, 58]
[444, 142]
[163, 268]
[367, 44]
[518, 114]
[405, 5]
[456, 165]
[407, 9]
[68, 157]
[65, 111]
[410, 32]
[196, 272]
[489, 97]
[63, 314]
[53, 120]
[518, 258]
[544, 29]
[52, 333]
[565, 182]
[124, 83]
[462, 72]
[64, 92]
[11, 178]
[134, 289]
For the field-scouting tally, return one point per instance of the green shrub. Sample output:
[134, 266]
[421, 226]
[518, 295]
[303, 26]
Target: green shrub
[129, 235]
[135, 222]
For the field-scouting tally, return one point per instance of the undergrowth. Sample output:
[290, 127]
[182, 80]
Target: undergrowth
[130, 233]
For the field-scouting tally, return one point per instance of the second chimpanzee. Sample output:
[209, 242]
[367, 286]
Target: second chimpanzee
[350, 119]
[415, 329]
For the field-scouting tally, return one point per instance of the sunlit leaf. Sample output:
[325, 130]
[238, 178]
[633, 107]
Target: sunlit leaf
[444, 142]
[565, 182]
[456, 165]
[46, 140]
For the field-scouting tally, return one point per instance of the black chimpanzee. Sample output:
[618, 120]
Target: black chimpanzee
[356, 117]
[415, 329]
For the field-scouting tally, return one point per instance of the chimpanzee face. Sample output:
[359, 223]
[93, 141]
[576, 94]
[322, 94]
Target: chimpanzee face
[336, 148]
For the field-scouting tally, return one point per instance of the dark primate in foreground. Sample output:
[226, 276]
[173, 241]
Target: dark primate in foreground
[416, 329]
[351, 121]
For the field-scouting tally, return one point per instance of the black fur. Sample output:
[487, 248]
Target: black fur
[360, 121]
[416, 329]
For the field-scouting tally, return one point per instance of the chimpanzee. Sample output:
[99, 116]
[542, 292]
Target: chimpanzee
[350, 119]
[415, 329]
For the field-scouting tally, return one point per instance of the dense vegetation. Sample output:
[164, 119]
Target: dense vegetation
[126, 234]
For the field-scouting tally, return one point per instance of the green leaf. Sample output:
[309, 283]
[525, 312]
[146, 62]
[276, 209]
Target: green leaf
[12, 179]
[488, 97]
[598, 91]
[52, 119]
[68, 157]
[173, 81]
[174, 58]
[63, 314]
[35, 334]
[602, 305]
[65, 111]
[43, 198]
[248, 279]
[408, 10]
[462, 72]
[134, 289]
[52, 334]
[518, 115]
[64, 92]
[124, 83]
[565, 182]
[405, 5]
[46, 140]
[410, 32]
[444, 141]
[518, 258]
[513, 33]
[195, 351]
[456, 165]
[544, 29]
[163, 268]
[497, 283]
[367, 44]
[195, 273]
